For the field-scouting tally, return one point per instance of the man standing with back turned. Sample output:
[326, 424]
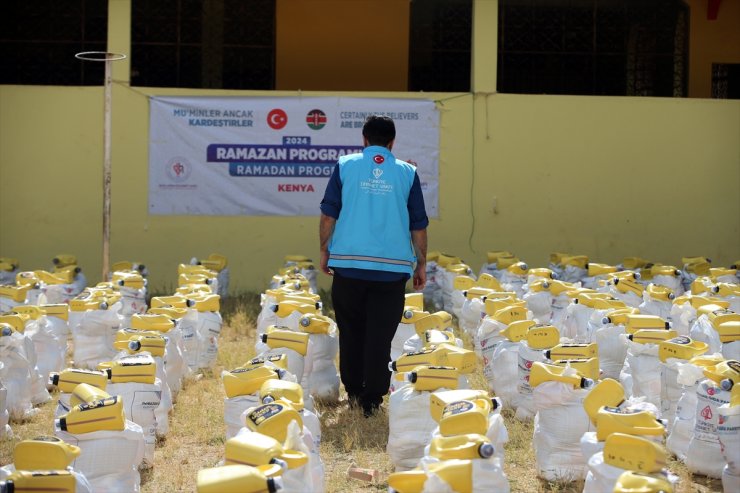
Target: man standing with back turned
[372, 230]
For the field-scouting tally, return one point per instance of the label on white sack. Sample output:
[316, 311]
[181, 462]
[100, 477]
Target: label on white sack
[487, 350]
[143, 404]
[525, 368]
[211, 326]
[728, 432]
[709, 398]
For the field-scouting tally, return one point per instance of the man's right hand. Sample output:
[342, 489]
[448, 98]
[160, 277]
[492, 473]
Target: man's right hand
[420, 277]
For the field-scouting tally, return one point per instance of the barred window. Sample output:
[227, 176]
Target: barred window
[227, 44]
[593, 47]
[726, 80]
[39, 39]
[439, 45]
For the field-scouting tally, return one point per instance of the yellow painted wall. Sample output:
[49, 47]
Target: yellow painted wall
[716, 41]
[357, 45]
[606, 177]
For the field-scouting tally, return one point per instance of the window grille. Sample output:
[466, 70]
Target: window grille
[439, 45]
[39, 39]
[593, 47]
[726, 80]
[226, 44]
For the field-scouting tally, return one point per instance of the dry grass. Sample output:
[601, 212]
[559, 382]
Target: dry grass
[196, 438]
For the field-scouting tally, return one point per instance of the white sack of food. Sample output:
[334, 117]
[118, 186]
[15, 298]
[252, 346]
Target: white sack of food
[142, 404]
[296, 361]
[728, 431]
[572, 273]
[176, 369]
[473, 311]
[93, 334]
[602, 477]
[133, 301]
[63, 293]
[629, 298]
[8, 276]
[234, 408]
[410, 427]
[540, 304]
[559, 304]
[208, 327]
[496, 433]
[109, 459]
[487, 476]
[575, 323]
[5, 431]
[50, 350]
[731, 350]
[487, 339]
[416, 343]
[659, 308]
[559, 425]
[682, 428]
[682, 317]
[312, 479]
[320, 376]
[514, 282]
[640, 375]
[671, 282]
[17, 374]
[432, 290]
[458, 300]
[612, 349]
[191, 341]
[526, 356]
[403, 332]
[670, 390]
[505, 373]
[703, 330]
[590, 445]
[166, 403]
[704, 455]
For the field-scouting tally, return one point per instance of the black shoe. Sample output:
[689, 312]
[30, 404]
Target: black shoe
[370, 410]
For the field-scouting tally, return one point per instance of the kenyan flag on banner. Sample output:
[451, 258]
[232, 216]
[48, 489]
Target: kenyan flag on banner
[316, 119]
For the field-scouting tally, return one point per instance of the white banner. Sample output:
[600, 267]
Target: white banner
[223, 156]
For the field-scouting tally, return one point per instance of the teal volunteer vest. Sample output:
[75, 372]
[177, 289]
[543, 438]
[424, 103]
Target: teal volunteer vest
[372, 231]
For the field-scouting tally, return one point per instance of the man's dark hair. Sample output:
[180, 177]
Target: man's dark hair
[379, 130]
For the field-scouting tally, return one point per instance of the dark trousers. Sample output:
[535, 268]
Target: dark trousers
[367, 315]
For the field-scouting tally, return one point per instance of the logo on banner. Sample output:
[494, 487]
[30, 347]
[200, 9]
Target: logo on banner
[377, 173]
[277, 119]
[178, 169]
[316, 119]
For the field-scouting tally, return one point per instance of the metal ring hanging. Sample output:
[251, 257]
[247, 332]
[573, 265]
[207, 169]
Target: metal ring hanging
[99, 56]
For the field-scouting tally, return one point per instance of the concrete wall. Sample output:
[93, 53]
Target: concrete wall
[606, 177]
